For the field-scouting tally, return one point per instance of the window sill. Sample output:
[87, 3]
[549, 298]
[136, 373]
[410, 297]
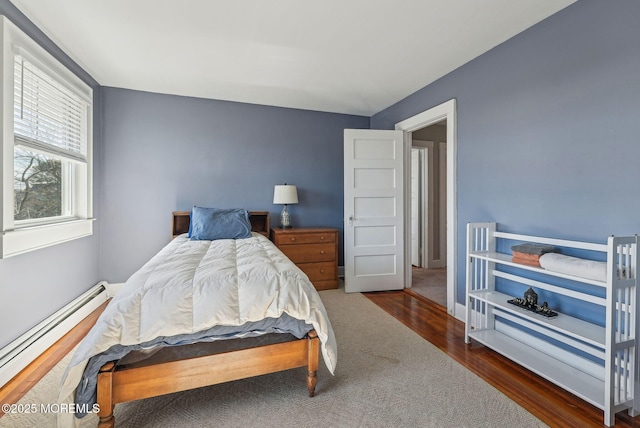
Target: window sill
[23, 240]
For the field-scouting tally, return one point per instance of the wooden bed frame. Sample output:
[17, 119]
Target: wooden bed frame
[120, 384]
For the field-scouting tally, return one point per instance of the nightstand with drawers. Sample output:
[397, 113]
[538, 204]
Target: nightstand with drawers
[313, 250]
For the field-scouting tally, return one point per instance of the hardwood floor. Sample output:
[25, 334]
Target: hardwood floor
[551, 404]
[17, 387]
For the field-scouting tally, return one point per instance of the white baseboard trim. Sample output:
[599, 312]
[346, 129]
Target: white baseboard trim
[460, 311]
[112, 289]
[25, 349]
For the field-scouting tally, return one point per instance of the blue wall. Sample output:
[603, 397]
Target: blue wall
[36, 284]
[548, 127]
[547, 144]
[164, 153]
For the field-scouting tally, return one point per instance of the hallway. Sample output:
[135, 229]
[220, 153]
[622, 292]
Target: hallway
[431, 284]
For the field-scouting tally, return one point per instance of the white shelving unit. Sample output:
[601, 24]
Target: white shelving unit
[596, 362]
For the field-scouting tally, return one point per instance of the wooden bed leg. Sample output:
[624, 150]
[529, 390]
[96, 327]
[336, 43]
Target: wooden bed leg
[312, 365]
[105, 396]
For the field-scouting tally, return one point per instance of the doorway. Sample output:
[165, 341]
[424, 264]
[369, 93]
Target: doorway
[429, 212]
[445, 111]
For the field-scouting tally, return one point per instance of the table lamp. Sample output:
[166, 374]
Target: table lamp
[285, 194]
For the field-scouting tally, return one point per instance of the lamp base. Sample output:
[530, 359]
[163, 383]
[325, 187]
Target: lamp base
[285, 219]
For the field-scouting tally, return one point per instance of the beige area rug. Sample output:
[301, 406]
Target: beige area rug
[387, 376]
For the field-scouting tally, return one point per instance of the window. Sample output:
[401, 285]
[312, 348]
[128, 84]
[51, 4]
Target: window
[47, 162]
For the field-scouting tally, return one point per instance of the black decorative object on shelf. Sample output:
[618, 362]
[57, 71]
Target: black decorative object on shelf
[531, 297]
[530, 303]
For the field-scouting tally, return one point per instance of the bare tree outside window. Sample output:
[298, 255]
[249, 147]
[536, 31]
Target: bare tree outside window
[37, 185]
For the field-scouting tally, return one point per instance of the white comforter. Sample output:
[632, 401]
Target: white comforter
[190, 286]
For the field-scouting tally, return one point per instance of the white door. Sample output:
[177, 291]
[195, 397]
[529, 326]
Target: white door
[443, 203]
[415, 207]
[374, 210]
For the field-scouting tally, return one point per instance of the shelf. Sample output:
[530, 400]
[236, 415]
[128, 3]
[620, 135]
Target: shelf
[505, 259]
[570, 326]
[573, 380]
[592, 361]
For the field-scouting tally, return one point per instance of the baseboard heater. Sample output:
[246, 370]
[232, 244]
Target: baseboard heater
[21, 352]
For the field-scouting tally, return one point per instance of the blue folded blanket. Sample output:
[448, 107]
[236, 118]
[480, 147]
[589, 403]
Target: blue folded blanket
[537, 249]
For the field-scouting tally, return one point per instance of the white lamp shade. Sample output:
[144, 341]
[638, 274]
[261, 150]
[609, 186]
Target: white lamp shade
[285, 194]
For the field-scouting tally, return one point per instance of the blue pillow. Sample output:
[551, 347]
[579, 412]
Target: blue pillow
[215, 223]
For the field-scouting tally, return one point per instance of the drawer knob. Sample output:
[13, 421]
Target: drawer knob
[322, 237]
[321, 251]
[293, 238]
[321, 270]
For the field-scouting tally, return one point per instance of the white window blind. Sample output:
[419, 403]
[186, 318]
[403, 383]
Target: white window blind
[48, 116]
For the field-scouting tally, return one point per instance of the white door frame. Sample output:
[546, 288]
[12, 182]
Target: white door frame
[436, 114]
[423, 250]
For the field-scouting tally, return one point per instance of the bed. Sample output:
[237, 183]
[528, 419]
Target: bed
[264, 307]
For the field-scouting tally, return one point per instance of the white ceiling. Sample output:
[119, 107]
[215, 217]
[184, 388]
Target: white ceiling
[344, 56]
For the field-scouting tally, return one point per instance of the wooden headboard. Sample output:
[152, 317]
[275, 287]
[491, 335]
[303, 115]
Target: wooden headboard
[260, 222]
